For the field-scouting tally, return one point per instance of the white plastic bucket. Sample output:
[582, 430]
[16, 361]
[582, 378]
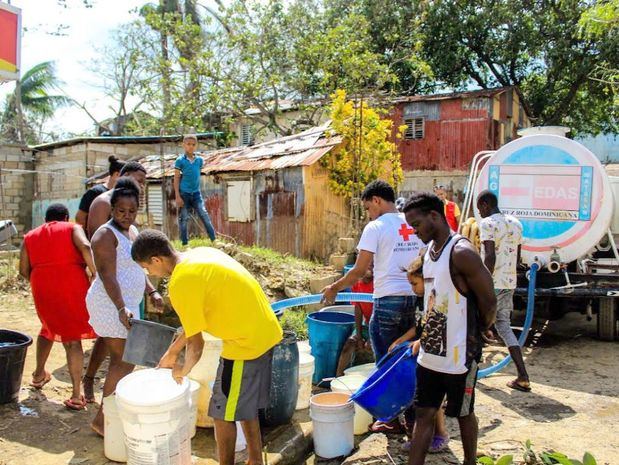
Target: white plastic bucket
[114, 440]
[306, 371]
[332, 416]
[241, 443]
[361, 370]
[304, 347]
[154, 411]
[350, 384]
[204, 372]
[194, 393]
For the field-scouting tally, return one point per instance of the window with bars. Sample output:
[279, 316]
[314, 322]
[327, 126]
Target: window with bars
[247, 137]
[414, 128]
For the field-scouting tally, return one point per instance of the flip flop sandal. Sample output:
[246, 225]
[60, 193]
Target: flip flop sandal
[393, 427]
[518, 387]
[39, 384]
[75, 405]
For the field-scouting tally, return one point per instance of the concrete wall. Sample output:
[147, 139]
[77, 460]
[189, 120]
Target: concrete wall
[423, 180]
[603, 146]
[17, 186]
[62, 171]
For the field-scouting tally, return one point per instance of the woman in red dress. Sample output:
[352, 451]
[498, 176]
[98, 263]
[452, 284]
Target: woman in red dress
[54, 258]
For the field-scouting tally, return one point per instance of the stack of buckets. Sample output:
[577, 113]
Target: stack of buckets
[306, 372]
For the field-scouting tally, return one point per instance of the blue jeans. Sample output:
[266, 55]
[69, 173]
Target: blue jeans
[194, 201]
[391, 318]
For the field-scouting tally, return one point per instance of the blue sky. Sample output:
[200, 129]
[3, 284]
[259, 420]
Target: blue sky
[86, 30]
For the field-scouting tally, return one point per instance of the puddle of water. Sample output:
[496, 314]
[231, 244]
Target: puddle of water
[27, 411]
[7, 344]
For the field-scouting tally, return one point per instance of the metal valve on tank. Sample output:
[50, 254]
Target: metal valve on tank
[554, 265]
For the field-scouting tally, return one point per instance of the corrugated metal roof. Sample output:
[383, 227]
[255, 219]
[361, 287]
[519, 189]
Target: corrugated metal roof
[121, 140]
[453, 95]
[302, 149]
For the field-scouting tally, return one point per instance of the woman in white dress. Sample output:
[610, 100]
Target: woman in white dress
[115, 295]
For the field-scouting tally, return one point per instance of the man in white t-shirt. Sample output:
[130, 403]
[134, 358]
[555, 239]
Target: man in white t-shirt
[501, 238]
[391, 244]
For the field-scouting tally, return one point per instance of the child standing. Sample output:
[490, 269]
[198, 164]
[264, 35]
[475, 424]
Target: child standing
[187, 170]
[360, 339]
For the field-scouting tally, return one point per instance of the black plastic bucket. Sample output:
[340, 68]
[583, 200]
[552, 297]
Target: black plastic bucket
[13, 348]
[146, 343]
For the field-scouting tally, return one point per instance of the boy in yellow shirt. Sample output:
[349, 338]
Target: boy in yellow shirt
[212, 292]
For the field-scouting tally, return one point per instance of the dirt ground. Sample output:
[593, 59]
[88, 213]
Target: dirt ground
[574, 406]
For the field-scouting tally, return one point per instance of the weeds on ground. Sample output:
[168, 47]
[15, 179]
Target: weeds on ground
[263, 253]
[293, 319]
[543, 458]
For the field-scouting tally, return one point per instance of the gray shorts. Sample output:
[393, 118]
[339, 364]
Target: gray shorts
[504, 308]
[241, 388]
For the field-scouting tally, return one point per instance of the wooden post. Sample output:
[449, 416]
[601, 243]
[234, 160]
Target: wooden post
[164, 203]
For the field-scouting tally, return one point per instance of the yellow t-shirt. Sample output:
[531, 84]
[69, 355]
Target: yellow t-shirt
[212, 292]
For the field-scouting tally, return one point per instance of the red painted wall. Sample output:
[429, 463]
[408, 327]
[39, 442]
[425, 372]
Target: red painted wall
[449, 143]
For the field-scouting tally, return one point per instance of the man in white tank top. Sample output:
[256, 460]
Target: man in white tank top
[459, 303]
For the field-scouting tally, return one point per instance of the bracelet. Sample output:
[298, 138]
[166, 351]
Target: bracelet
[153, 292]
[121, 309]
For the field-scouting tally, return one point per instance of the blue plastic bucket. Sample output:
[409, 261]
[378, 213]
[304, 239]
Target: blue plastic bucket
[328, 332]
[391, 388]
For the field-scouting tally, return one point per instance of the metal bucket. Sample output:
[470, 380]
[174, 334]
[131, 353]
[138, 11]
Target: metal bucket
[146, 343]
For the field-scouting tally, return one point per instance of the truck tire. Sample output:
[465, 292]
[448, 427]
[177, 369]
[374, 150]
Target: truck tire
[607, 319]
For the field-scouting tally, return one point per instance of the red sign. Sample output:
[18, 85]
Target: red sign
[10, 32]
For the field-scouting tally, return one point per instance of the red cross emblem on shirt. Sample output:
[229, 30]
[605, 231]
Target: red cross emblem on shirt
[405, 231]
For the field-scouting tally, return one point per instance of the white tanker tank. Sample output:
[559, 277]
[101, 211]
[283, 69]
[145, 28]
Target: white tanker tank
[564, 199]
[558, 189]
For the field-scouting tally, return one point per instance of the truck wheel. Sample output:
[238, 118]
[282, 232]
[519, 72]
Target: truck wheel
[607, 319]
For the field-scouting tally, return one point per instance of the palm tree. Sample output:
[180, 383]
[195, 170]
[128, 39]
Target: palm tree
[34, 105]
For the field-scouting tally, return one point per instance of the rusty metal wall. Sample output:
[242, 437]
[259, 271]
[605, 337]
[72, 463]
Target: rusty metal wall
[326, 215]
[277, 206]
[464, 128]
[279, 201]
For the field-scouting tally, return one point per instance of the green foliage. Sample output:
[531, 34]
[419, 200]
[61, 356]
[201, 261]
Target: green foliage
[198, 65]
[600, 22]
[366, 153]
[38, 103]
[530, 457]
[535, 46]
[293, 319]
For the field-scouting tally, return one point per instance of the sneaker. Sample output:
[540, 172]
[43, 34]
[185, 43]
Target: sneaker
[439, 443]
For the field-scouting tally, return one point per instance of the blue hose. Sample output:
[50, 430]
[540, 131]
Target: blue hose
[315, 299]
[525, 330]
[279, 307]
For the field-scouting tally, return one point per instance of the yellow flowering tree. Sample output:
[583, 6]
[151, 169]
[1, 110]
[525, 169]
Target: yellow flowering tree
[366, 153]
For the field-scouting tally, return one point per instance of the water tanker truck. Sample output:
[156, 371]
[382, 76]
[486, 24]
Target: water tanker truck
[564, 199]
